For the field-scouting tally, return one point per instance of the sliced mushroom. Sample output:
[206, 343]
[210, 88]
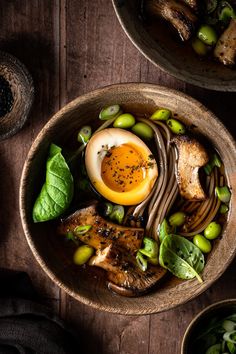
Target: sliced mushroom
[225, 50]
[102, 232]
[176, 13]
[191, 156]
[123, 273]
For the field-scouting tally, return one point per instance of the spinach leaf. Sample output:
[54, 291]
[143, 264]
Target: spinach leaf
[57, 191]
[181, 257]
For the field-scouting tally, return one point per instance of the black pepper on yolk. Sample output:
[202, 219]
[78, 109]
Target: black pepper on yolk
[123, 168]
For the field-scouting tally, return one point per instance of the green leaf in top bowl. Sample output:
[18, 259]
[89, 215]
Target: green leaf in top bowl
[181, 257]
[58, 189]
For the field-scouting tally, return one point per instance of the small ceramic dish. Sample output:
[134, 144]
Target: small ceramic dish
[49, 248]
[220, 309]
[21, 86]
[164, 51]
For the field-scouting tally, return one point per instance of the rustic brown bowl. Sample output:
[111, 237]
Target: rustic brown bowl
[164, 51]
[47, 246]
[221, 308]
[22, 89]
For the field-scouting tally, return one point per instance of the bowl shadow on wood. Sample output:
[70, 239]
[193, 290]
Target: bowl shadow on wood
[50, 250]
[37, 54]
[165, 51]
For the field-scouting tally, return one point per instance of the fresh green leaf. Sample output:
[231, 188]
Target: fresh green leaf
[165, 229]
[181, 257]
[57, 191]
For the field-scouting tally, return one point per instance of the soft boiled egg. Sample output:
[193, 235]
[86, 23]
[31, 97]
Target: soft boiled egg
[120, 166]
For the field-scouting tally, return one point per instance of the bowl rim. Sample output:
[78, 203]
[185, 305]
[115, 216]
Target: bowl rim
[196, 318]
[16, 63]
[144, 87]
[222, 87]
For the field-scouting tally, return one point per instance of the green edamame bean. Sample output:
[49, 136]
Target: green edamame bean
[224, 209]
[82, 254]
[124, 121]
[141, 261]
[177, 219]
[84, 134]
[212, 231]
[207, 35]
[107, 209]
[202, 243]
[143, 130]
[199, 47]
[161, 114]
[117, 214]
[176, 126]
[110, 112]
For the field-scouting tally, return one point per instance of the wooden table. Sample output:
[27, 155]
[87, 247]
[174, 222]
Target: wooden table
[70, 48]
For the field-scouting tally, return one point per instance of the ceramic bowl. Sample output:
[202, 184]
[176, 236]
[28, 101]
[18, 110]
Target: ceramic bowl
[47, 246]
[163, 50]
[222, 309]
[21, 85]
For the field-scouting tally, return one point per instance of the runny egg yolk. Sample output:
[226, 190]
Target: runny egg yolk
[123, 168]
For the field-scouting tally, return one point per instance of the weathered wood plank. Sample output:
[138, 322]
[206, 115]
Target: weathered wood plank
[29, 32]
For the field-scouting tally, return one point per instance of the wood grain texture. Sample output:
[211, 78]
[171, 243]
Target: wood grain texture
[71, 47]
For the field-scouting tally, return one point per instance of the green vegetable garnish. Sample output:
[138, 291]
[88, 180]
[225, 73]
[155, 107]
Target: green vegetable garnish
[161, 114]
[214, 162]
[212, 231]
[177, 219]
[141, 261]
[165, 229]
[107, 209]
[226, 14]
[57, 192]
[224, 209]
[207, 35]
[176, 126]
[82, 254]
[117, 214]
[143, 130]
[110, 112]
[200, 47]
[150, 249]
[84, 134]
[181, 257]
[218, 337]
[202, 243]
[223, 193]
[124, 121]
[81, 230]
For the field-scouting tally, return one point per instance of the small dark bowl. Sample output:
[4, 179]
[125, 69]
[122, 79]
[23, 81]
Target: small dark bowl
[221, 308]
[21, 84]
[163, 50]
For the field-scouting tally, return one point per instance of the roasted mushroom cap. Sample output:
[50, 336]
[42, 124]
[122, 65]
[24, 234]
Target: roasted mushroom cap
[191, 156]
[103, 232]
[176, 13]
[123, 273]
[225, 50]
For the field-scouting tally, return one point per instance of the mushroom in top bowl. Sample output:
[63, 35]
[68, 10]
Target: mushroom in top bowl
[191, 40]
[116, 215]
